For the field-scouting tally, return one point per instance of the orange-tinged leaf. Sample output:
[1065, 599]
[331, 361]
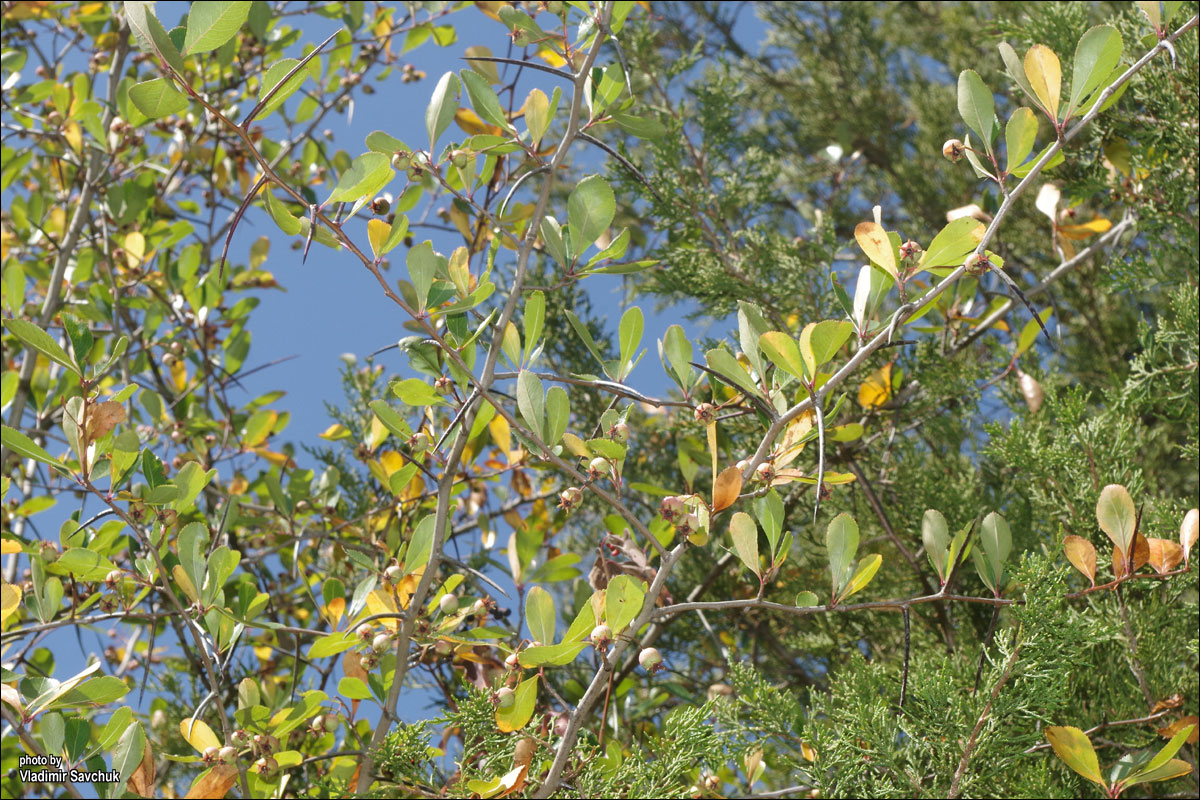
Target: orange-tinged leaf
[1178, 725]
[501, 434]
[141, 782]
[1082, 555]
[1045, 76]
[238, 485]
[214, 783]
[726, 488]
[1081, 232]
[1075, 749]
[874, 241]
[876, 390]
[1165, 555]
[377, 234]
[198, 734]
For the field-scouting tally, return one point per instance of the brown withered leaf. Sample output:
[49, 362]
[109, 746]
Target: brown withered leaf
[103, 417]
[1174, 701]
[1082, 555]
[1165, 555]
[726, 488]
[1124, 565]
[214, 783]
[1178, 725]
[141, 782]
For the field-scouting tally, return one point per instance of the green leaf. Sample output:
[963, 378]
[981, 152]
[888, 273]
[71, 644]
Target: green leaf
[151, 35]
[723, 362]
[1161, 760]
[1016, 71]
[368, 173]
[1075, 749]
[212, 23]
[19, 443]
[640, 127]
[350, 687]
[540, 615]
[629, 333]
[531, 401]
[806, 600]
[954, 242]
[416, 392]
[935, 535]
[623, 602]
[745, 540]
[440, 111]
[535, 318]
[518, 715]
[1030, 331]
[484, 100]
[421, 545]
[995, 541]
[39, 340]
[558, 413]
[677, 349]
[769, 510]
[157, 98]
[820, 341]
[586, 336]
[273, 77]
[863, 575]
[422, 269]
[552, 655]
[390, 419]
[783, 352]
[130, 750]
[841, 542]
[1116, 515]
[976, 106]
[1019, 136]
[1096, 55]
[590, 210]
[332, 644]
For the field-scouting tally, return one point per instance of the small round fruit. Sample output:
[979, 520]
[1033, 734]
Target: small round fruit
[705, 413]
[598, 465]
[393, 574]
[650, 659]
[954, 149]
[506, 698]
[266, 766]
[620, 432]
[227, 755]
[381, 643]
[513, 661]
[601, 635]
[671, 508]
[211, 754]
[401, 160]
[448, 604]
[569, 498]
[380, 206]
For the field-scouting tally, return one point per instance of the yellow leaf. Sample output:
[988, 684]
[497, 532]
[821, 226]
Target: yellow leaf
[1045, 76]
[377, 233]
[273, 458]
[334, 610]
[712, 444]
[135, 248]
[376, 435]
[501, 434]
[184, 583]
[10, 546]
[381, 602]
[198, 734]
[178, 374]
[1081, 232]
[238, 485]
[470, 122]
[876, 390]
[10, 599]
[547, 53]
[74, 135]
[492, 9]
[391, 461]
[335, 432]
